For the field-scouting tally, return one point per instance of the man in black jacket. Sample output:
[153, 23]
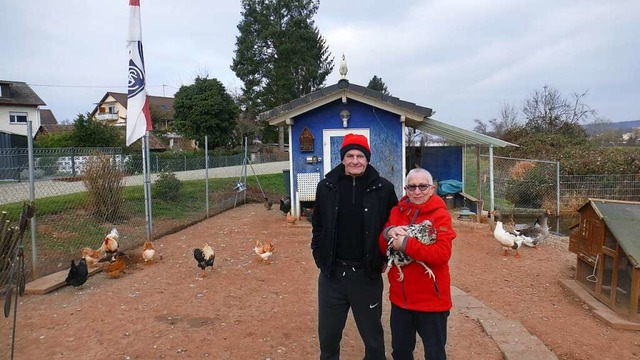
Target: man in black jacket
[352, 205]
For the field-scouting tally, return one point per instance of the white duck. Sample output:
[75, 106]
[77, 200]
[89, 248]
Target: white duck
[533, 235]
[508, 239]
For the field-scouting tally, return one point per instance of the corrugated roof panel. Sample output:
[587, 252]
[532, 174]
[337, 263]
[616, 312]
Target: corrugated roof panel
[459, 135]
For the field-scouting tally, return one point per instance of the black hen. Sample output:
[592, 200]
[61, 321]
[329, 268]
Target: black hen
[268, 203]
[78, 274]
[285, 204]
[204, 257]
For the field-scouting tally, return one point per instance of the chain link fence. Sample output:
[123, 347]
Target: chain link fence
[521, 186]
[81, 194]
[576, 189]
[70, 217]
[524, 187]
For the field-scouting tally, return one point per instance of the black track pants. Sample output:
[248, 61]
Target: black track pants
[431, 326]
[350, 288]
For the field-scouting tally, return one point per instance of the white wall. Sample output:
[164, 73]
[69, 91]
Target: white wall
[19, 129]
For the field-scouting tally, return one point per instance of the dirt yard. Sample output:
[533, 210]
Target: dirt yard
[248, 310]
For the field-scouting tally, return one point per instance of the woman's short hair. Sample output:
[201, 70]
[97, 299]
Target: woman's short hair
[420, 171]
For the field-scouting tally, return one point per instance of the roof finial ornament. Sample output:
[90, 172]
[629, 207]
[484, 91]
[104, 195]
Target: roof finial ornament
[343, 68]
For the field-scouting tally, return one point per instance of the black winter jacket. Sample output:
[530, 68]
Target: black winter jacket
[379, 198]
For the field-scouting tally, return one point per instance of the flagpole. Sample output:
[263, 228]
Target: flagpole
[147, 183]
[138, 116]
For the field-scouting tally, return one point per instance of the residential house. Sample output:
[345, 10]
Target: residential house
[18, 105]
[112, 109]
[49, 124]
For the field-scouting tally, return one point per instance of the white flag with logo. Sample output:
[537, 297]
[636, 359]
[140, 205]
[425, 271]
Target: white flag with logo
[138, 117]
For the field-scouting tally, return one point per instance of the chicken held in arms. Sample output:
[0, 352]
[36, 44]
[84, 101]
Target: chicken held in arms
[205, 257]
[78, 274]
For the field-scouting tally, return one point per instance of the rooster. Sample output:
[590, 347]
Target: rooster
[205, 257]
[148, 252]
[115, 266]
[264, 251]
[92, 257]
[110, 244]
[78, 274]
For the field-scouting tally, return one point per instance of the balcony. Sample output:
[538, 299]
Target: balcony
[106, 116]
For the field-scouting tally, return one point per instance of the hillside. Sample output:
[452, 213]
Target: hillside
[593, 129]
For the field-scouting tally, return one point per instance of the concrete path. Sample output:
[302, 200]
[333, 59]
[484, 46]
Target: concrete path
[513, 339]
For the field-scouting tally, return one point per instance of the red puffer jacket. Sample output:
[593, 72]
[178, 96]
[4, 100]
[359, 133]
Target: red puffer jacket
[417, 291]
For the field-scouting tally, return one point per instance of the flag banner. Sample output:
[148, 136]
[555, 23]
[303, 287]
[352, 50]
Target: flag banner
[138, 117]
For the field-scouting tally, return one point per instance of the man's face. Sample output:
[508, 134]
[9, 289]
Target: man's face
[354, 162]
[416, 195]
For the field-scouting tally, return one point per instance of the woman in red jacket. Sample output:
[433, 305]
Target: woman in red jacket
[419, 286]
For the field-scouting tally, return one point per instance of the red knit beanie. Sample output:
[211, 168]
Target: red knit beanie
[354, 141]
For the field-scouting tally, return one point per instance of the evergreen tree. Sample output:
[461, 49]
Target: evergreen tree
[205, 108]
[93, 133]
[377, 84]
[280, 54]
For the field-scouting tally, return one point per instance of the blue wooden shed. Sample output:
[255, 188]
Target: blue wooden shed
[317, 123]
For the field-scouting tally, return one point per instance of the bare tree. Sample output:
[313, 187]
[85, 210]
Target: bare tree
[481, 127]
[508, 120]
[424, 139]
[599, 125]
[246, 124]
[508, 117]
[412, 135]
[546, 110]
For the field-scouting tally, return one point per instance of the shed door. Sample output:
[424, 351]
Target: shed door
[331, 142]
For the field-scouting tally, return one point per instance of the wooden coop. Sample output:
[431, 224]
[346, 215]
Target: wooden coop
[607, 245]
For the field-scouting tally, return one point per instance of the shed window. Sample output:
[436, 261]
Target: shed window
[610, 241]
[17, 117]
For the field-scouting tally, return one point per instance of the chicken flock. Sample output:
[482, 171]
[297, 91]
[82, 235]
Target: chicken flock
[111, 260]
[108, 257]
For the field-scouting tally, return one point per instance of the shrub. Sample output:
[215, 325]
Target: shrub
[48, 164]
[167, 187]
[37, 174]
[104, 185]
[529, 188]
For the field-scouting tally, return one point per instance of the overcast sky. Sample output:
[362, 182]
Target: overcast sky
[464, 59]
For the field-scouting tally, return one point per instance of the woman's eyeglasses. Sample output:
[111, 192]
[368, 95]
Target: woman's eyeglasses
[422, 187]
